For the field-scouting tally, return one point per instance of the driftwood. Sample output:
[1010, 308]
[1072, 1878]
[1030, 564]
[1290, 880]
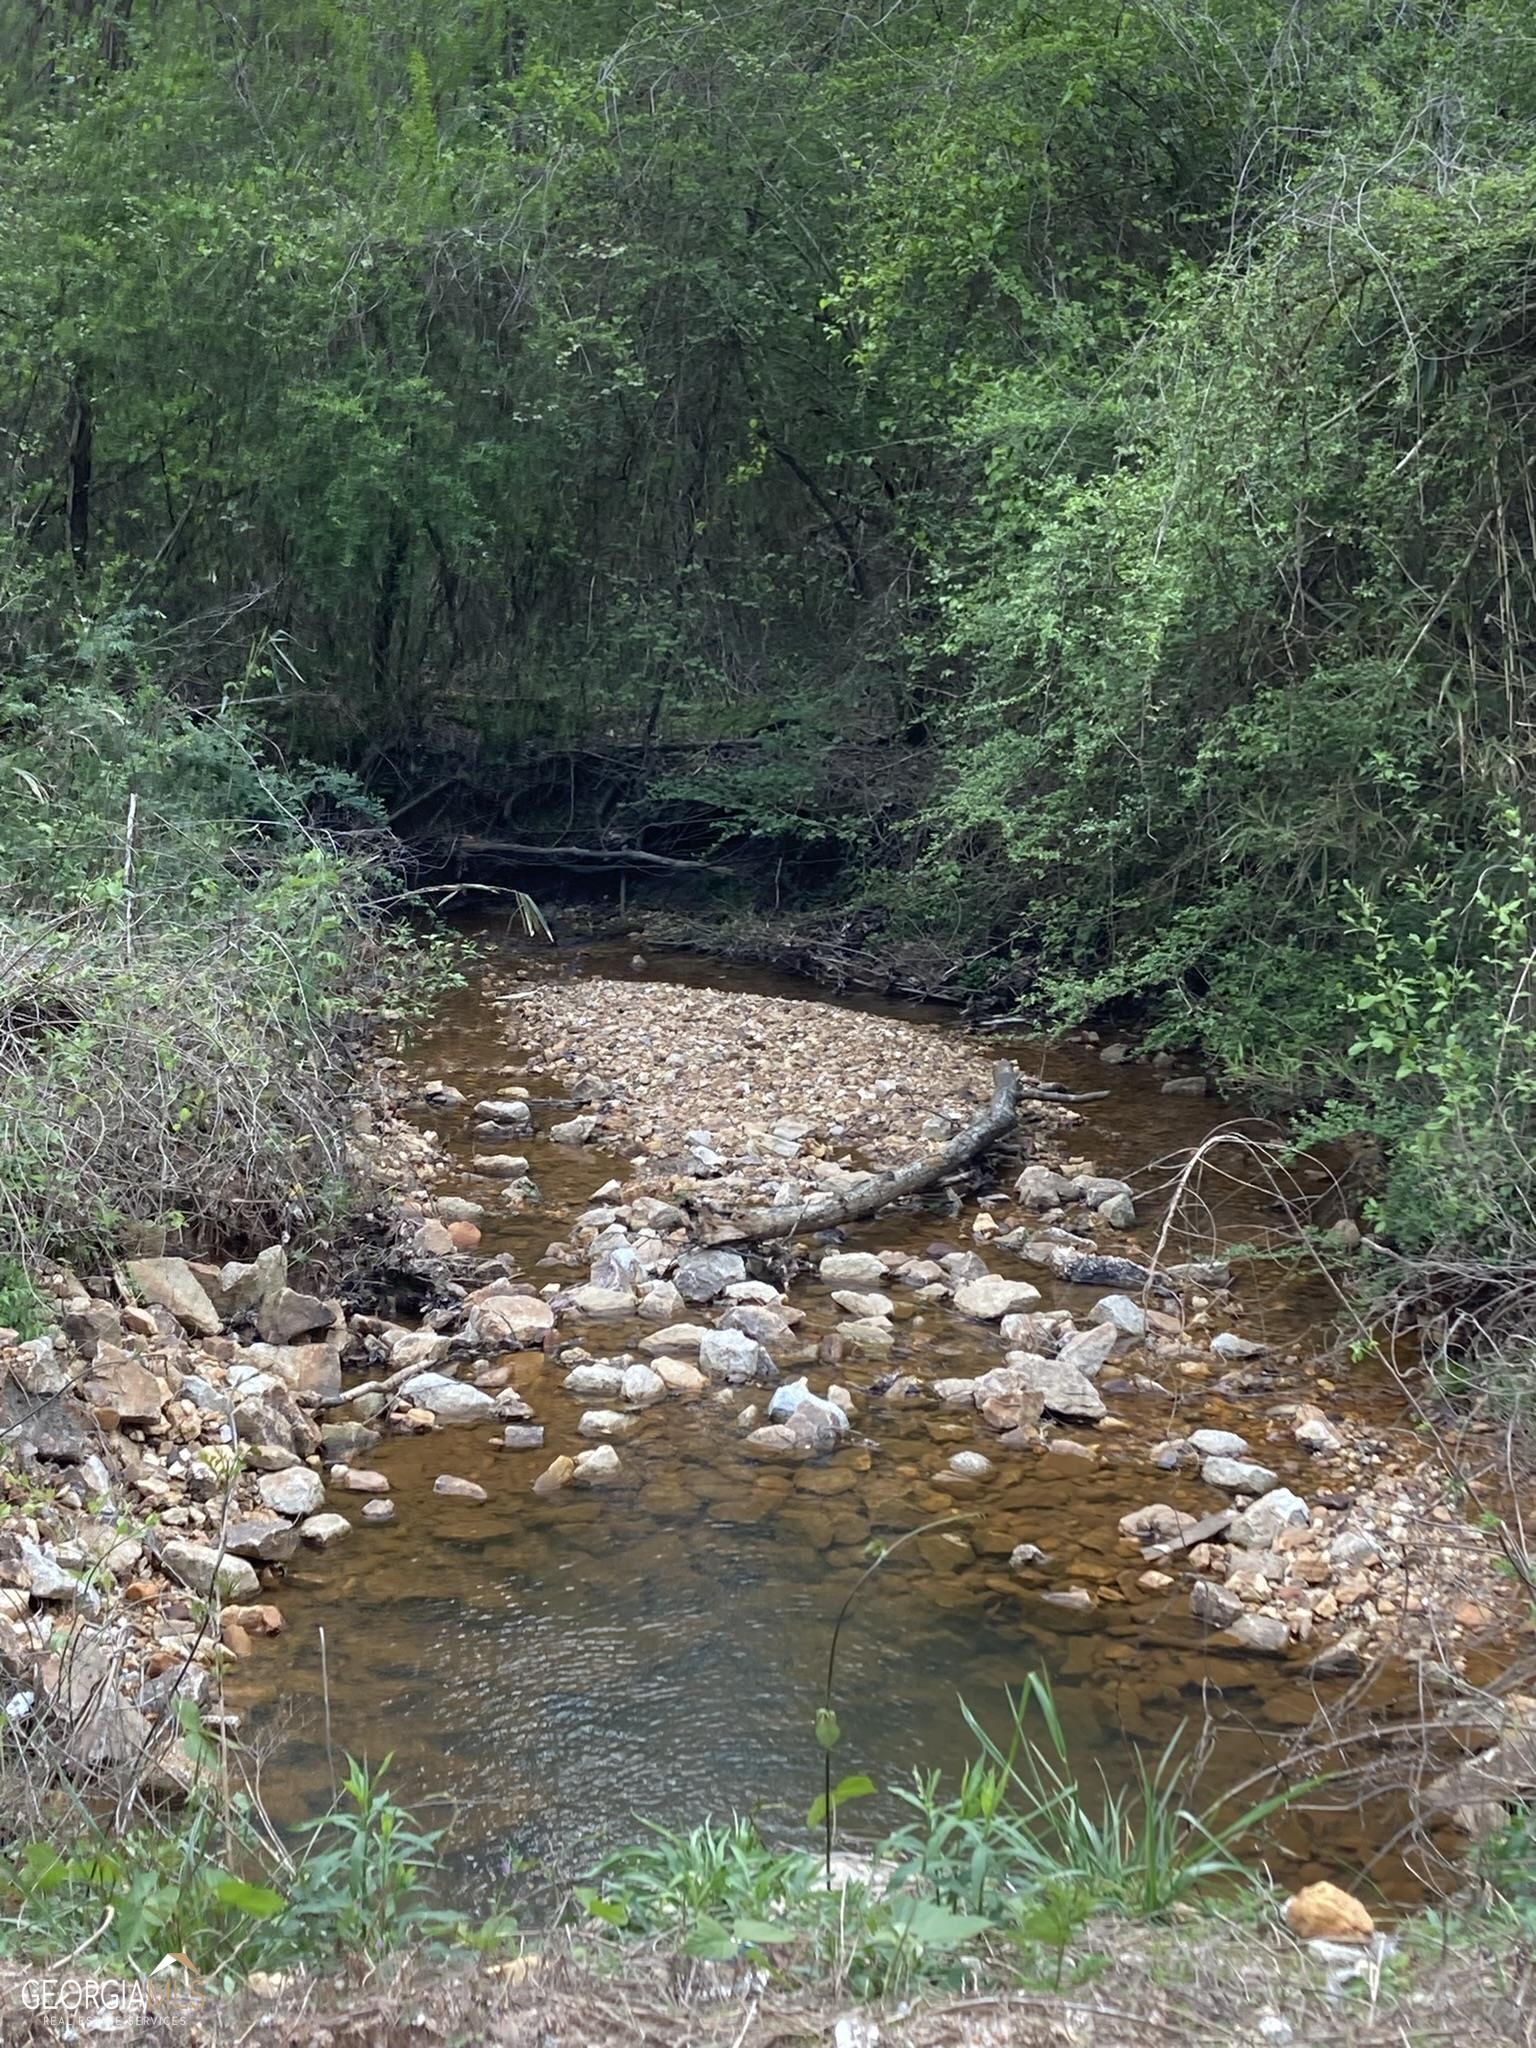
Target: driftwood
[822, 1211]
[468, 846]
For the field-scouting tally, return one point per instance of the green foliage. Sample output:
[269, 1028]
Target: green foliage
[215, 1888]
[186, 956]
[1001, 1873]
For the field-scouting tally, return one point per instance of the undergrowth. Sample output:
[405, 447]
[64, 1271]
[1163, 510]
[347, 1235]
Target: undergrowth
[192, 942]
[219, 1888]
[999, 1874]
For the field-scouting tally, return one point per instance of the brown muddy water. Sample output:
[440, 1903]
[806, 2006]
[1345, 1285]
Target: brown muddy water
[548, 1672]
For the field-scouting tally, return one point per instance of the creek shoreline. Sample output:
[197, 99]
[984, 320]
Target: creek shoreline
[186, 1445]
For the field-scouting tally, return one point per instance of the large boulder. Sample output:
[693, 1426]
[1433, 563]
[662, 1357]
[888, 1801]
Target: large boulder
[172, 1284]
[448, 1400]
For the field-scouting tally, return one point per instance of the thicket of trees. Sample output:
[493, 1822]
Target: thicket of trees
[1061, 472]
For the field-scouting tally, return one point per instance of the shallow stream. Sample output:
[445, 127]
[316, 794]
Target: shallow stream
[556, 1669]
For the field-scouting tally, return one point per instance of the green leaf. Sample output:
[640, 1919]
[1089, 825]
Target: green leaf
[259, 1901]
[762, 1933]
[857, 1787]
[612, 1912]
[935, 1926]
[709, 1942]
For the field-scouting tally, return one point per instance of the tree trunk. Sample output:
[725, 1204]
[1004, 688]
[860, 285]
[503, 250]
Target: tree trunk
[822, 1211]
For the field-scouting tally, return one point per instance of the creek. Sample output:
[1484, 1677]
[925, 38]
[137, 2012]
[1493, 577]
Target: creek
[548, 1672]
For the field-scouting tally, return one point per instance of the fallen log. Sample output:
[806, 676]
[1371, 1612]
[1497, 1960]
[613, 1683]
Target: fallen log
[821, 1212]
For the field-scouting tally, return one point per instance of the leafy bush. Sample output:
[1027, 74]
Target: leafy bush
[186, 964]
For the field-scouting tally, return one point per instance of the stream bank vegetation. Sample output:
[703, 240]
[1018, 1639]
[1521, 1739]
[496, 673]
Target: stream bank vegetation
[194, 945]
[1019, 1882]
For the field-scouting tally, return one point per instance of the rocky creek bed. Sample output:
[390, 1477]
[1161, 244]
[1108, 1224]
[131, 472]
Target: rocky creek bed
[606, 1483]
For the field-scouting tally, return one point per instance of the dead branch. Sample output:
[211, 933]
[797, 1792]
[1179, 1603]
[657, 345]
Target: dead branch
[822, 1211]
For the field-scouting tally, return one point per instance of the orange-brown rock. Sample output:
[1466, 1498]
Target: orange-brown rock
[259, 1620]
[1322, 1912]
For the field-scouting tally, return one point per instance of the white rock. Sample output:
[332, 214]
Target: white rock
[676, 1337]
[511, 1321]
[1218, 1443]
[970, 1465]
[614, 1303]
[450, 1401]
[1064, 1390]
[324, 1530]
[296, 1493]
[199, 1566]
[576, 1130]
[643, 1386]
[855, 1304]
[852, 1269]
[991, 1298]
[1229, 1345]
[796, 1396]
[1088, 1351]
[660, 1302]
[418, 1349]
[1127, 1316]
[869, 1333]
[1257, 1527]
[605, 1422]
[595, 1380]
[735, 1358]
[679, 1375]
[1233, 1475]
[597, 1467]
[701, 1275]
